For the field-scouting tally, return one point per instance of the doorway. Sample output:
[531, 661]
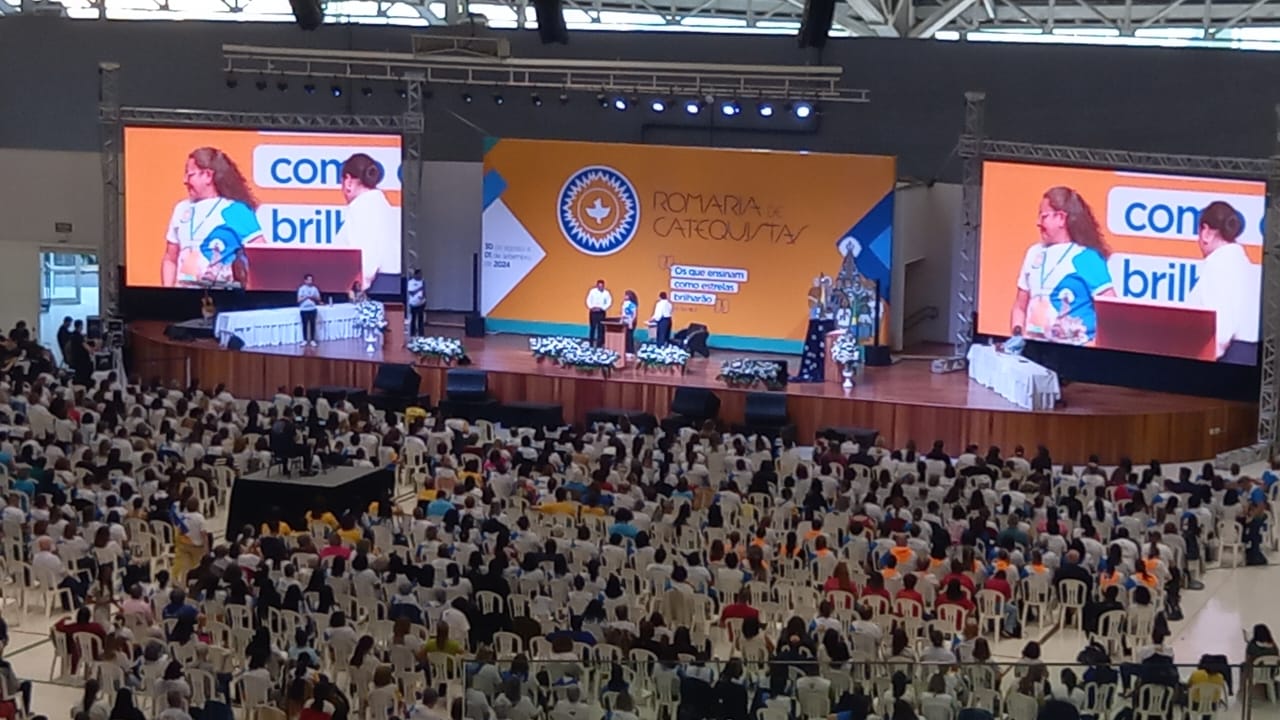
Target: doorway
[68, 288]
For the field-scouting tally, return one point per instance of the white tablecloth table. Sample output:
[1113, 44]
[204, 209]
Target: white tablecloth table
[1015, 378]
[283, 326]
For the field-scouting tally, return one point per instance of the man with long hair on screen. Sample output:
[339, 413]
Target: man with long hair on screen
[210, 227]
[370, 223]
[1230, 284]
[1063, 273]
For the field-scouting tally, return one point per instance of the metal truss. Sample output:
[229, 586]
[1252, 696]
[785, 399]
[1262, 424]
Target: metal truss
[1252, 168]
[111, 139]
[461, 65]
[259, 120]
[411, 183]
[971, 146]
[1269, 392]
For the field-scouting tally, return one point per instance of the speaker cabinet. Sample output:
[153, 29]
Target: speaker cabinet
[766, 409]
[474, 326]
[699, 403]
[393, 379]
[235, 343]
[466, 385]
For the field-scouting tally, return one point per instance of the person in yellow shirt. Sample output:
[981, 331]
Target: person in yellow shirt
[318, 514]
[348, 531]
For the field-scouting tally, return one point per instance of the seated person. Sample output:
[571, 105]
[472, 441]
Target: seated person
[285, 443]
[1014, 345]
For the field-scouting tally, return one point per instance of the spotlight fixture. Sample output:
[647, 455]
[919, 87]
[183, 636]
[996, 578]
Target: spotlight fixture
[802, 110]
[309, 88]
[402, 93]
[536, 99]
[260, 83]
[765, 109]
[658, 105]
[620, 104]
[232, 82]
[564, 98]
[693, 107]
[466, 98]
[335, 90]
[282, 86]
[498, 99]
[730, 108]
[604, 101]
[366, 91]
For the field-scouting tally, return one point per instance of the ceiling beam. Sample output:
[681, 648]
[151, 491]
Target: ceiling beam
[941, 18]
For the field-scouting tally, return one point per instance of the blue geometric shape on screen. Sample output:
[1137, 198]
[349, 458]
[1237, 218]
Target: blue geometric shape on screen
[494, 186]
[874, 233]
[489, 143]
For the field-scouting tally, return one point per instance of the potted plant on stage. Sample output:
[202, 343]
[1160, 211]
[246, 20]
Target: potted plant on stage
[669, 358]
[438, 350]
[847, 353]
[748, 373]
[587, 359]
[552, 347]
[371, 319]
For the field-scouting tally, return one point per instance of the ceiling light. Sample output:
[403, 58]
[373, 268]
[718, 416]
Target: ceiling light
[536, 99]
[335, 90]
[731, 108]
[620, 104]
[498, 99]
[802, 110]
[765, 109]
[366, 91]
[693, 107]
[231, 81]
[658, 105]
[309, 88]
[282, 86]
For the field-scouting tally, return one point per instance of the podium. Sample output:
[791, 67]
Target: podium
[615, 339]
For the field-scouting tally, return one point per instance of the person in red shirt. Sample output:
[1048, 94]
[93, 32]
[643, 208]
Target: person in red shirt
[908, 591]
[954, 595]
[957, 574]
[875, 586]
[840, 580]
[739, 608]
[83, 623]
[1000, 583]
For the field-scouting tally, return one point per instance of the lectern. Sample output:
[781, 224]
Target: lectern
[615, 339]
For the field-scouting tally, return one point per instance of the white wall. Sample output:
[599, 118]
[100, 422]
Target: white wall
[449, 231]
[927, 232]
[44, 187]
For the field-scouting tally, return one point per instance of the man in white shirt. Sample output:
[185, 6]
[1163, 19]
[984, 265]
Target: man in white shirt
[417, 291]
[661, 319]
[49, 569]
[598, 302]
[308, 301]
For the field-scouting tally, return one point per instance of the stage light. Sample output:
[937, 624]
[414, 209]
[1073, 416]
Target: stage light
[335, 90]
[658, 105]
[536, 99]
[604, 101]
[260, 83]
[693, 107]
[466, 98]
[765, 109]
[802, 110]
[620, 104]
[232, 82]
[731, 108]
[564, 98]
[404, 94]
[309, 88]
[366, 91]
[282, 86]
[498, 99]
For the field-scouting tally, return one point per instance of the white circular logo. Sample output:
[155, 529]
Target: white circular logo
[598, 210]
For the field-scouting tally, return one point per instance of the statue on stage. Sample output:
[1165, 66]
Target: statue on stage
[855, 293]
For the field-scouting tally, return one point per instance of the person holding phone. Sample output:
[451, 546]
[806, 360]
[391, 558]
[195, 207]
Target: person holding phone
[1063, 272]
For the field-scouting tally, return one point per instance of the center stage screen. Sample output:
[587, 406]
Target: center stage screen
[1156, 264]
[261, 209]
[742, 241]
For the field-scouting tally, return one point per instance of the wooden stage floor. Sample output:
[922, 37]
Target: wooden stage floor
[903, 401]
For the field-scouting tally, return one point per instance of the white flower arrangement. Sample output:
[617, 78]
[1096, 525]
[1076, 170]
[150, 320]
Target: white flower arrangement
[445, 349]
[572, 352]
[745, 372]
[652, 355]
[552, 347]
[846, 350]
[371, 315]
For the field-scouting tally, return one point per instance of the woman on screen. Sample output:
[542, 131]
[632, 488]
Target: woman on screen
[1063, 273]
[210, 227]
[1230, 284]
[370, 223]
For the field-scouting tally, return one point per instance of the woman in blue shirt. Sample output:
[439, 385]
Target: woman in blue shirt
[630, 305]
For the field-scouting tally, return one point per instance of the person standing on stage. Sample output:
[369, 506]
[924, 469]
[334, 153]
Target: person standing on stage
[308, 300]
[661, 319]
[630, 308]
[417, 292]
[598, 303]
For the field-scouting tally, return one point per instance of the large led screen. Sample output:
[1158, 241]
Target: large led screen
[261, 209]
[1157, 264]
